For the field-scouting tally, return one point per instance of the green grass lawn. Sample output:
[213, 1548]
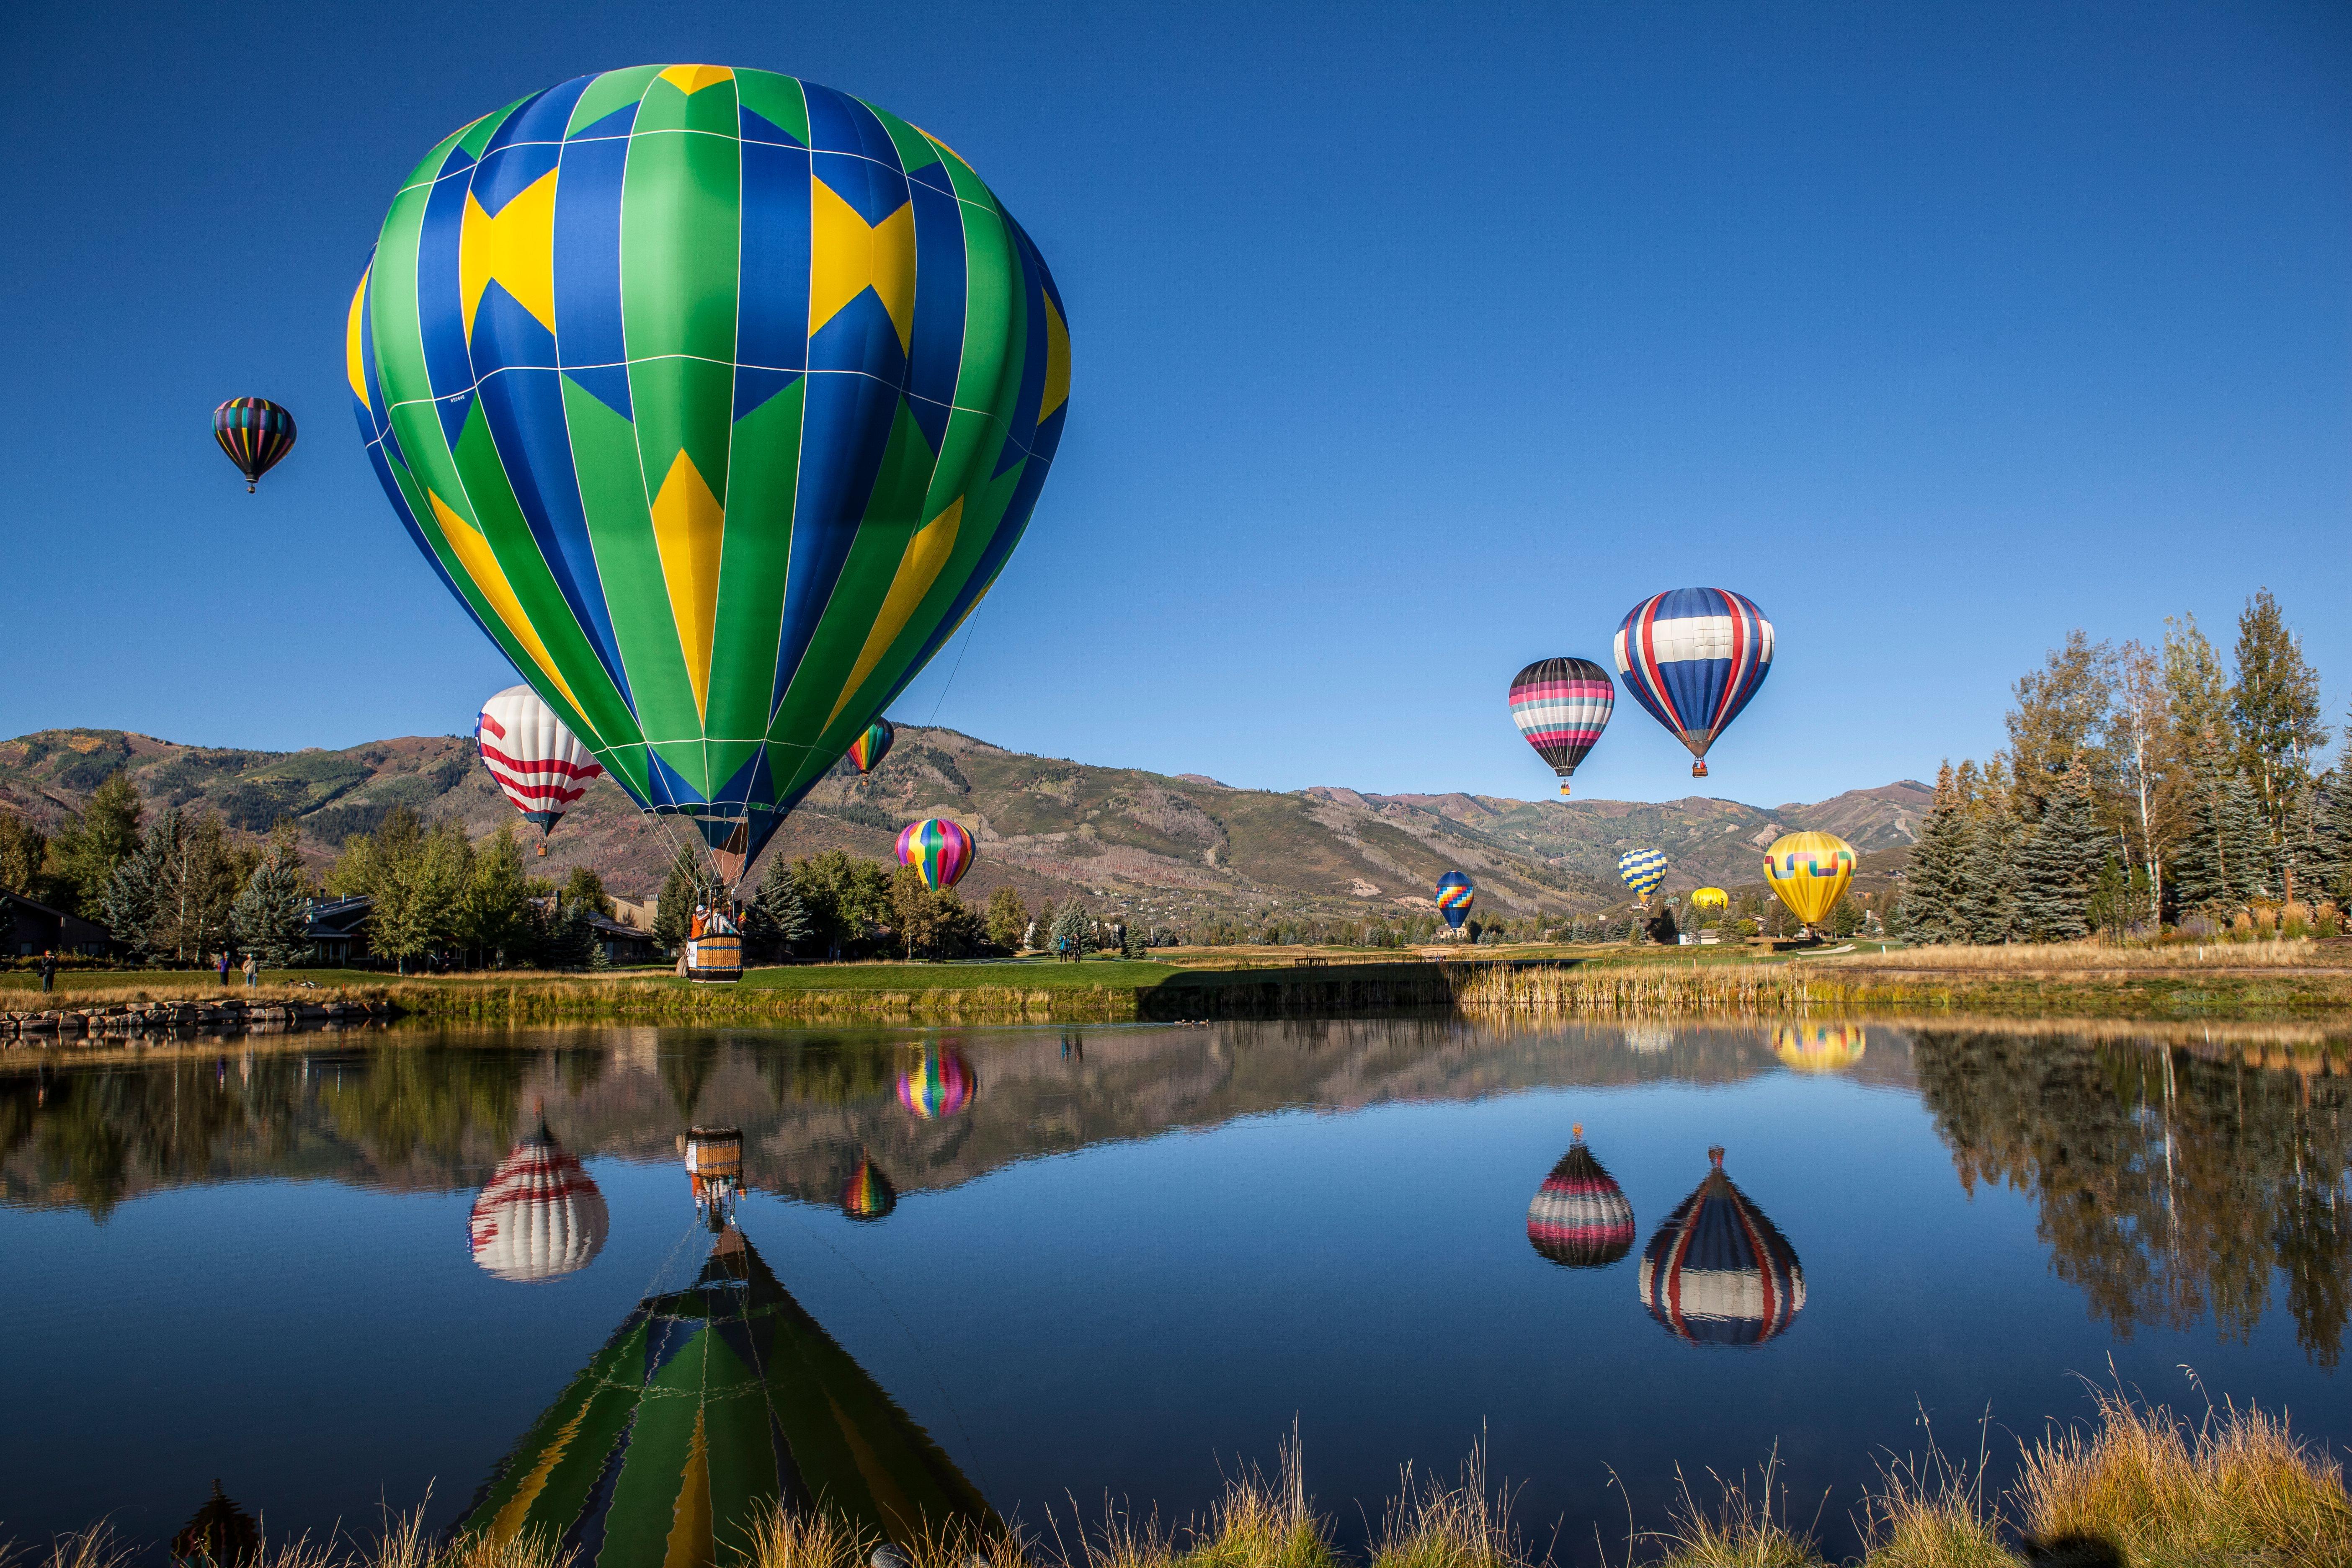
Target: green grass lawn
[1025, 973]
[161, 982]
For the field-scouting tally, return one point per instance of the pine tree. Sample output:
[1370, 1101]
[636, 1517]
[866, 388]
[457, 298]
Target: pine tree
[1989, 897]
[2275, 702]
[271, 917]
[23, 851]
[2330, 876]
[776, 918]
[2057, 866]
[685, 887]
[1933, 885]
[83, 857]
[2246, 842]
[494, 913]
[1072, 930]
[132, 898]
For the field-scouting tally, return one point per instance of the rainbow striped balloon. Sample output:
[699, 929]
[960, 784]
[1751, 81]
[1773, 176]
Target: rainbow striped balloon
[1641, 869]
[1562, 705]
[940, 850]
[255, 433]
[873, 744]
[1454, 897]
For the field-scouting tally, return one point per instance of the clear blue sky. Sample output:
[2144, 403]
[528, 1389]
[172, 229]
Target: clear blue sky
[1410, 343]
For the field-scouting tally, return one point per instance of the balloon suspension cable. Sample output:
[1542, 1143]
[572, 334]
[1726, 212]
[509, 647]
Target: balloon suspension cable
[971, 625]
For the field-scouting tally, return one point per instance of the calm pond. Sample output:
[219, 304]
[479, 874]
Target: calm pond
[1041, 1265]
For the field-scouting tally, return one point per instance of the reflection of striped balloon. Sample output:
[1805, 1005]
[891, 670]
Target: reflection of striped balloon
[937, 1087]
[1641, 869]
[940, 851]
[540, 1215]
[873, 744]
[541, 764]
[1808, 871]
[1580, 1218]
[1562, 705]
[1819, 1048]
[1454, 897]
[1719, 1273]
[867, 1194]
[1694, 658]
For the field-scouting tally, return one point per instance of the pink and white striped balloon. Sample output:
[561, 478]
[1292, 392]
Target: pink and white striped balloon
[542, 766]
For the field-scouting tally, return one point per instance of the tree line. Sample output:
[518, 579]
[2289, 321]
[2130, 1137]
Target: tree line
[2143, 786]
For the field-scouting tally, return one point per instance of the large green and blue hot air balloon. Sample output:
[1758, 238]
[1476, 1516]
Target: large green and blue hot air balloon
[719, 398]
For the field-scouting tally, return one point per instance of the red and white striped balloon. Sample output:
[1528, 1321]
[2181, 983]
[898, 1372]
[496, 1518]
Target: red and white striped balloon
[541, 1215]
[539, 763]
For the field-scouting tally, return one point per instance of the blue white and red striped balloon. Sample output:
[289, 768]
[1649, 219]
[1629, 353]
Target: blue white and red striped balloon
[1562, 705]
[1719, 1273]
[1695, 657]
[542, 766]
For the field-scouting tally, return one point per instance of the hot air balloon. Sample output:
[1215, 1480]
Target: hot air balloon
[873, 744]
[709, 1409]
[219, 1535]
[714, 948]
[1819, 1048]
[867, 1194]
[937, 1086]
[540, 1216]
[1641, 869]
[1580, 1218]
[1562, 705]
[714, 1172]
[541, 766]
[1694, 658]
[1454, 897]
[1808, 871]
[1717, 1272]
[940, 850]
[1709, 898]
[255, 433]
[721, 431]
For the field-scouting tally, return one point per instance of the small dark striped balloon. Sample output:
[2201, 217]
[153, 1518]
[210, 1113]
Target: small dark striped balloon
[255, 433]
[1580, 1218]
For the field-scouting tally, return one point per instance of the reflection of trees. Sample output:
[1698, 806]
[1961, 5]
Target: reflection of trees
[685, 1065]
[2169, 1186]
[425, 1100]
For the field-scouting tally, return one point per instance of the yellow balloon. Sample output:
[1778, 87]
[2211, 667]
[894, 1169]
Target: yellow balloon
[1709, 898]
[1809, 871]
[1819, 1048]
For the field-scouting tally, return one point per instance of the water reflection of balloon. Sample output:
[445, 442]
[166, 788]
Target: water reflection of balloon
[1694, 658]
[219, 1535]
[1642, 870]
[714, 1172]
[1717, 1272]
[1454, 897]
[540, 1216]
[938, 1086]
[867, 1194]
[1580, 1217]
[708, 1408]
[1562, 705]
[719, 399]
[1808, 871]
[1819, 1048]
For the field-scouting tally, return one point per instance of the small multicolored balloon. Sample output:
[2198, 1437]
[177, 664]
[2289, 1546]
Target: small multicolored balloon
[1454, 897]
[1641, 869]
[1562, 705]
[1580, 1217]
[1694, 658]
[940, 850]
[873, 744]
[255, 433]
[1808, 871]
[938, 1086]
[867, 1194]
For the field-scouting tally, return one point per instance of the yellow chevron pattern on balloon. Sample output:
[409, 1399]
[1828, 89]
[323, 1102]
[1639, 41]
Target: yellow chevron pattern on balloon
[514, 248]
[354, 325]
[1809, 872]
[926, 557]
[691, 79]
[847, 257]
[689, 530]
[481, 563]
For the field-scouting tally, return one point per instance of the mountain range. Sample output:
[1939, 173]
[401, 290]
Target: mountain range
[1173, 847]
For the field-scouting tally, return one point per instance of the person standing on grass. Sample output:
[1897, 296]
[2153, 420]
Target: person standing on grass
[221, 964]
[252, 970]
[48, 970]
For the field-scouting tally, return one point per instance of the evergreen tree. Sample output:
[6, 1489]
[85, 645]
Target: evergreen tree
[1043, 921]
[135, 892]
[2057, 868]
[570, 938]
[24, 855]
[1989, 897]
[2247, 847]
[1008, 918]
[1935, 885]
[776, 919]
[83, 858]
[494, 915]
[686, 886]
[420, 890]
[2275, 702]
[2330, 875]
[271, 917]
[1072, 930]
[585, 886]
[1137, 944]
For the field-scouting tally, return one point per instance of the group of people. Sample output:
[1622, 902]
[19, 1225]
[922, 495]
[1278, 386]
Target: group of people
[252, 968]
